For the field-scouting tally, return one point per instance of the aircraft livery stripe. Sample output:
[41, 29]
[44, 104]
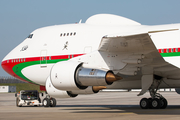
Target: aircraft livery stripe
[15, 66]
[169, 52]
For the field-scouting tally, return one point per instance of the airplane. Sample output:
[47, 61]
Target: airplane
[106, 52]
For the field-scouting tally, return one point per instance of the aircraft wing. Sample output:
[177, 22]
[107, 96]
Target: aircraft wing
[127, 43]
[136, 51]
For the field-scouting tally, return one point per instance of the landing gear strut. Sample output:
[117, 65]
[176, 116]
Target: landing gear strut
[49, 101]
[156, 101]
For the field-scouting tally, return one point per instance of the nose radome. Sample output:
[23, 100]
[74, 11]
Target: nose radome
[6, 66]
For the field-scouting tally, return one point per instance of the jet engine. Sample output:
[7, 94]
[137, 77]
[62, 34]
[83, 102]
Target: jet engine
[53, 92]
[70, 75]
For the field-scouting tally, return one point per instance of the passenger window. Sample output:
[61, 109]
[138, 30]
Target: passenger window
[176, 49]
[162, 50]
[67, 34]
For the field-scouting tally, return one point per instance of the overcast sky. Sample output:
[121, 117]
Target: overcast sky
[20, 17]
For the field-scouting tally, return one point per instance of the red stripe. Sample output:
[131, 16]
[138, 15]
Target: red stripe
[159, 50]
[170, 50]
[7, 65]
[165, 50]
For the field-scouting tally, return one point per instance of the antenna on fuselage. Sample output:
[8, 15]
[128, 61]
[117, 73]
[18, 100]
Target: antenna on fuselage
[80, 21]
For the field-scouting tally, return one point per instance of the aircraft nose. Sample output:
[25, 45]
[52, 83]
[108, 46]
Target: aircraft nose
[5, 64]
[8, 65]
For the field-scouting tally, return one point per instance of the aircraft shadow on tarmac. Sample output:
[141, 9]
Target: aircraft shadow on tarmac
[124, 109]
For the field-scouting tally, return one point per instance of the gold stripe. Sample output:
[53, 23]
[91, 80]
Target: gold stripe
[162, 30]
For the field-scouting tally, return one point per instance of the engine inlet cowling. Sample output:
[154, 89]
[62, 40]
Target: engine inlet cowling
[53, 92]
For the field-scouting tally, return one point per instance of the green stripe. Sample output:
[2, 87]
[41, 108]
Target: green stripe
[18, 68]
[174, 54]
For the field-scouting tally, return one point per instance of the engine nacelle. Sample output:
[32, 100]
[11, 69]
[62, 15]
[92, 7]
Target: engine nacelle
[89, 90]
[53, 92]
[63, 75]
[70, 75]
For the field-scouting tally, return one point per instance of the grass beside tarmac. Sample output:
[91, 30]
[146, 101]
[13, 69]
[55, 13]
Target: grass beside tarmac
[22, 86]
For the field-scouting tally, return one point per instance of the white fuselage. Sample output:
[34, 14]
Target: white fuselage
[68, 41]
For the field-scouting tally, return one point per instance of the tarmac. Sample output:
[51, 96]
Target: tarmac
[101, 106]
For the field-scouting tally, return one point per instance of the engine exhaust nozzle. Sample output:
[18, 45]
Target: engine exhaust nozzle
[97, 88]
[110, 77]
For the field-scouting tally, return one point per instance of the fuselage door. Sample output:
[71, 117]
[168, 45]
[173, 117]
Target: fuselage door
[43, 58]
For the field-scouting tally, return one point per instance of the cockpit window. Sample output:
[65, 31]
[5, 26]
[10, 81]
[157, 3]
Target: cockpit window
[30, 36]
